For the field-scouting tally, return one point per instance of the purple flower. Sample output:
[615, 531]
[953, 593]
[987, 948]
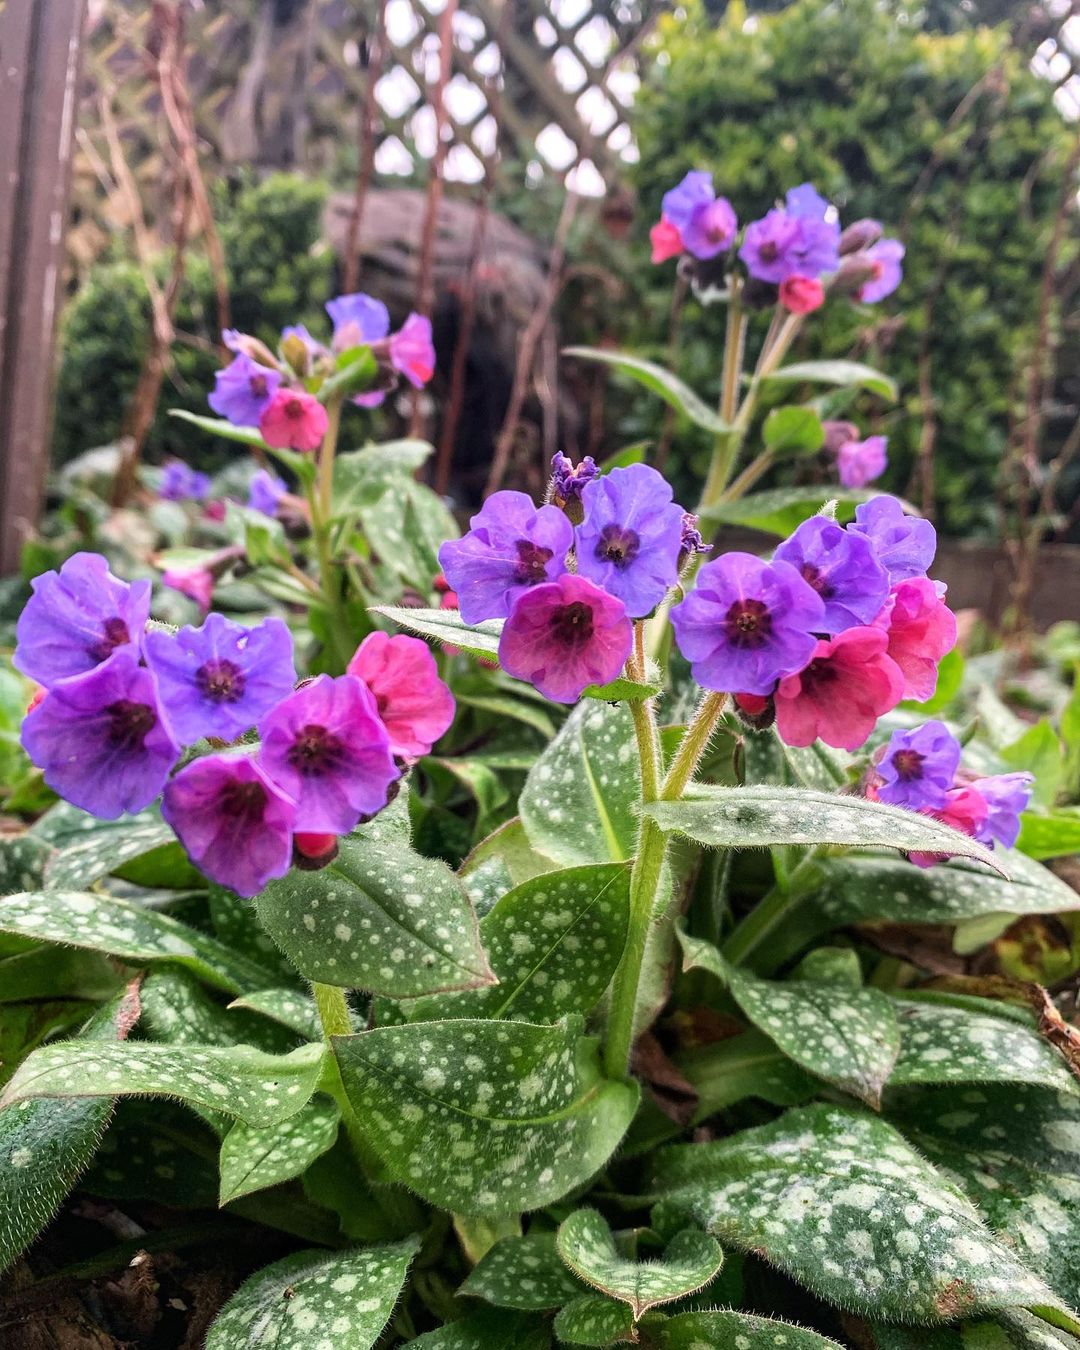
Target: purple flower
[769, 247]
[885, 258]
[842, 568]
[76, 618]
[917, 768]
[860, 462]
[234, 822]
[706, 223]
[819, 249]
[412, 352]
[1006, 796]
[243, 390]
[101, 738]
[798, 240]
[564, 635]
[180, 482]
[326, 747]
[629, 539]
[265, 490]
[219, 679]
[747, 624]
[905, 545]
[511, 545]
[568, 479]
[691, 541]
[358, 320]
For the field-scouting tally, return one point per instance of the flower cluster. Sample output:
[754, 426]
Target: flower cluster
[568, 578]
[791, 248]
[181, 483]
[273, 392]
[920, 770]
[123, 698]
[830, 634]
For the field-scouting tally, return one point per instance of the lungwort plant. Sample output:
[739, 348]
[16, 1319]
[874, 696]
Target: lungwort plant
[657, 1060]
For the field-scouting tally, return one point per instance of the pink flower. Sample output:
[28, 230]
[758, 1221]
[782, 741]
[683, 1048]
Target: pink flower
[197, 583]
[802, 295]
[860, 462]
[293, 420]
[922, 629]
[414, 705]
[564, 635]
[849, 683]
[965, 810]
[666, 240]
[412, 352]
[214, 510]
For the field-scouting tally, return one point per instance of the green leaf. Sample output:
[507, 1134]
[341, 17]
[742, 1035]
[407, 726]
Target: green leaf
[848, 1037]
[849, 374]
[255, 1087]
[793, 430]
[154, 1151]
[355, 374]
[103, 923]
[839, 1201]
[379, 917]
[521, 1112]
[524, 1273]
[660, 381]
[178, 1010]
[500, 862]
[262, 536]
[695, 1330]
[480, 782]
[253, 1158]
[23, 859]
[288, 1007]
[753, 817]
[76, 866]
[592, 1319]
[942, 1044]
[361, 476]
[689, 1262]
[578, 804]
[1038, 750]
[218, 426]
[780, 511]
[23, 1026]
[405, 526]
[487, 1329]
[1052, 836]
[554, 943]
[236, 925]
[315, 1299]
[46, 1144]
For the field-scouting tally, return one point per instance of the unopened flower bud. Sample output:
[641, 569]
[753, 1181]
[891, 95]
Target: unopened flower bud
[246, 345]
[756, 711]
[853, 275]
[691, 542]
[801, 295]
[838, 434]
[295, 351]
[567, 481]
[312, 851]
[860, 234]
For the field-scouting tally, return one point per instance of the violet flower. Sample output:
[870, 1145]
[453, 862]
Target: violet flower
[842, 568]
[860, 462]
[180, 483]
[917, 768]
[265, 490]
[706, 224]
[905, 545]
[885, 258]
[358, 320]
[243, 390]
[1006, 796]
[631, 535]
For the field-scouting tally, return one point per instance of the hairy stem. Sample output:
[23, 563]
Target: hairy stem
[322, 506]
[692, 746]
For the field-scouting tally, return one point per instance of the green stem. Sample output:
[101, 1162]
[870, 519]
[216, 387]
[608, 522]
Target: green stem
[773, 910]
[333, 1010]
[322, 506]
[692, 746]
[727, 443]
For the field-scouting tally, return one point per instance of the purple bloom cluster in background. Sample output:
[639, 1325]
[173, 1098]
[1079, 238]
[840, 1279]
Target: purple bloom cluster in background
[180, 483]
[706, 223]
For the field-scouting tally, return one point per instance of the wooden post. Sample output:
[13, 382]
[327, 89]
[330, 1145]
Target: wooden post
[40, 42]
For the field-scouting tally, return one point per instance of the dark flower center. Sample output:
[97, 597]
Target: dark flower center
[129, 723]
[748, 623]
[768, 251]
[294, 408]
[243, 802]
[908, 765]
[114, 634]
[258, 385]
[618, 545]
[316, 750]
[532, 560]
[572, 625]
[221, 681]
[816, 578]
[817, 673]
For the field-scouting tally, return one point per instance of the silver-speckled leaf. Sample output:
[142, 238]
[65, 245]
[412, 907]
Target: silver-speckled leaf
[593, 1319]
[740, 1331]
[254, 1158]
[524, 1273]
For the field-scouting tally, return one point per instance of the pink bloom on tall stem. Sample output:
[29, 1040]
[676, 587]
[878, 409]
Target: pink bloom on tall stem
[414, 705]
[921, 629]
[801, 295]
[412, 352]
[564, 635]
[965, 810]
[666, 240]
[848, 684]
[293, 420]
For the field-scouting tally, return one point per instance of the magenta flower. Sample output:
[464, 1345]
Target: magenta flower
[325, 747]
[841, 567]
[849, 683]
[358, 320]
[181, 483]
[704, 223]
[922, 629]
[265, 490]
[564, 635]
[219, 679]
[747, 624]
[101, 738]
[630, 537]
[665, 241]
[412, 352]
[76, 618]
[196, 582]
[965, 809]
[243, 391]
[860, 462]
[801, 295]
[414, 705]
[511, 545]
[234, 822]
[293, 420]
[1006, 796]
[917, 768]
[885, 258]
[905, 545]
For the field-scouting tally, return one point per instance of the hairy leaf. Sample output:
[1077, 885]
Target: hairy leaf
[76, 866]
[781, 511]
[487, 1329]
[847, 373]
[592, 1319]
[253, 1158]
[524, 1273]
[660, 381]
[720, 1327]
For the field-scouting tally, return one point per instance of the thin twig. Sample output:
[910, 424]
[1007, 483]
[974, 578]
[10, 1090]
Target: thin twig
[365, 169]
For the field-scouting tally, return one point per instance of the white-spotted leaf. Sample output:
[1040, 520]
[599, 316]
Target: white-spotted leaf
[23, 859]
[521, 1112]
[316, 1299]
[739, 1331]
[691, 1259]
[288, 1007]
[488, 1329]
[524, 1273]
[254, 1158]
[77, 865]
[756, 817]
[592, 1319]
